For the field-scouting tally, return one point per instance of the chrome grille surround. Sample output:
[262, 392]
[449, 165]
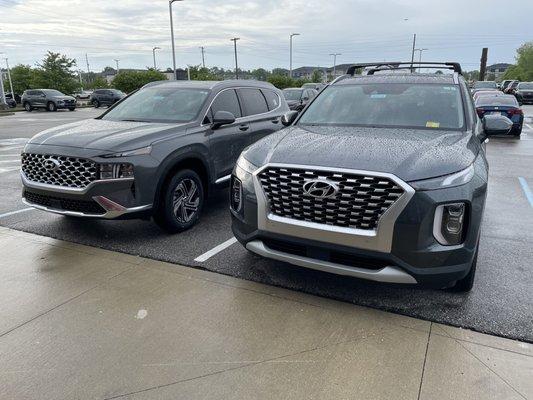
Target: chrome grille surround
[69, 172]
[359, 203]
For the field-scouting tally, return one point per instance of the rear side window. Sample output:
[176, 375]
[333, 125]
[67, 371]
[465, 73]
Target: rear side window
[272, 99]
[254, 101]
[227, 101]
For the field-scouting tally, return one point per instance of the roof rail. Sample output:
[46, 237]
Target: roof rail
[393, 65]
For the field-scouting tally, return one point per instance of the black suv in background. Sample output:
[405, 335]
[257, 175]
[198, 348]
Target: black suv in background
[382, 177]
[297, 98]
[161, 151]
[105, 97]
[49, 99]
[524, 93]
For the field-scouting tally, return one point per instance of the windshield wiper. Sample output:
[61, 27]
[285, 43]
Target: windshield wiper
[134, 120]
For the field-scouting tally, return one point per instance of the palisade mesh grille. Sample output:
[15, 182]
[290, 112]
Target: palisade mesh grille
[359, 202]
[64, 171]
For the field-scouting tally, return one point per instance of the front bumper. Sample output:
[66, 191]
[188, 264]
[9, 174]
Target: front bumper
[405, 253]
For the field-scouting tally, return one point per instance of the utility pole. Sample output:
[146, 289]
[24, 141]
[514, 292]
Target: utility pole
[483, 66]
[2, 93]
[234, 40]
[153, 53]
[117, 60]
[172, 37]
[335, 63]
[88, 69]
[81, 81]
[202, 48]
[290, 51]
[413, 52]
[10, 81]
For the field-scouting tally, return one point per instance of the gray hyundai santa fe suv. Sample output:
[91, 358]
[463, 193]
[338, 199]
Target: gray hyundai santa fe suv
[382, 177]
[158, 152]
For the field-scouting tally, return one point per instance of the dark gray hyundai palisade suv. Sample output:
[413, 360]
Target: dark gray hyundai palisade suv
[158, 152]
[382, 177]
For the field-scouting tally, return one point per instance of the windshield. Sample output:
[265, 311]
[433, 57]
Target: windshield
[292, 94]
[116, 91]
[496, 101]
[160, 104]
[526, 86]
[484, 84]
[432, 106]
[52, 92]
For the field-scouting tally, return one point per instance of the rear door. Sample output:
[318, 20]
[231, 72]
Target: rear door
[226, 142]
[257, 119]
[39, 99]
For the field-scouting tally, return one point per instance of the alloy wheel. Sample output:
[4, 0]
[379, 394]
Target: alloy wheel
[186, 200]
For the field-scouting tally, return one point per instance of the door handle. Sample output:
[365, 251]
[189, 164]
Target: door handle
[275, 120]
[244, 127]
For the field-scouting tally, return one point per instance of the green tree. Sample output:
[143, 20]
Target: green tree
[523, 70]
[128, 81]
[22, 77]
[281, 81]
[97, 83]
[317, 76]
[201, 74]
[56, 72]
[260, 74]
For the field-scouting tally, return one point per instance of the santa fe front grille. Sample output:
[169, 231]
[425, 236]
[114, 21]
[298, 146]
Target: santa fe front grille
[359, 202]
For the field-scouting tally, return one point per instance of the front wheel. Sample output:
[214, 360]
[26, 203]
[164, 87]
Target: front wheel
[28, 107]
[51, 106]
[96, 103]
[181, 202]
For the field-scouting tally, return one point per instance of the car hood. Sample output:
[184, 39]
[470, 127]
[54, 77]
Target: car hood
[409, 154]
[99, 134]
[63, 98]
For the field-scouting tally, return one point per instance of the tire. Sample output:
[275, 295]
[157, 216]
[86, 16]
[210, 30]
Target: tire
[465, 285]
[72, 108]
[28, 107]
[517, 132]
[181, 203]
[96, 104]
[51, 106]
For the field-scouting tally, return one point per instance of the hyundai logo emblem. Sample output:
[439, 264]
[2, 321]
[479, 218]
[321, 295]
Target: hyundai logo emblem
[320, 188]
[51, 164]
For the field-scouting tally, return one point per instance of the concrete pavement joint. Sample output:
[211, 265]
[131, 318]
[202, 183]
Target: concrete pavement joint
[424, 364]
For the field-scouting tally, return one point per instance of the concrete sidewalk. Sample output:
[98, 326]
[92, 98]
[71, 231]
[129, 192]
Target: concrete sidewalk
[78, 322]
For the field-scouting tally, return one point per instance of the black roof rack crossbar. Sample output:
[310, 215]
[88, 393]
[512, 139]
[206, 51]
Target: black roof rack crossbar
[383, 65]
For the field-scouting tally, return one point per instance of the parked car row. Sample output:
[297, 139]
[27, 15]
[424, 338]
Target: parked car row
[381, 176]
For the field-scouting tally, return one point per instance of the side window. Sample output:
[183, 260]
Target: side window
[272, 99]
[254, 101]
[227, 101]
[469, 104]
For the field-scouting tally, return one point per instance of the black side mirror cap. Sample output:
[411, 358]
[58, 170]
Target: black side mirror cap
[222, 118]
[494, 124]
[288, 118]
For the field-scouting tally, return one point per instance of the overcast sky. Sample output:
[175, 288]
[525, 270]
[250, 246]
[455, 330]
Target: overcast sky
[362, 30]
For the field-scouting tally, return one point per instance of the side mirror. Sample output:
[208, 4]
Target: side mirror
[222, 118]
[288, 118]
[494, 124]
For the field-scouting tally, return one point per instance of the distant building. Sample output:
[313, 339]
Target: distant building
[498, 69]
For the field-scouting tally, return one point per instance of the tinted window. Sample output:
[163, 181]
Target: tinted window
[525, 86]
[53, 92]
[254, 101]
[160, 104]
[484, 84]
[292, 94]
[497, 101]
[227, 101]
[272, 99]
[433, 106]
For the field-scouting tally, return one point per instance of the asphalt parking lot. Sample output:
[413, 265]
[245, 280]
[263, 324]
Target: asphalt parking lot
[500, 303]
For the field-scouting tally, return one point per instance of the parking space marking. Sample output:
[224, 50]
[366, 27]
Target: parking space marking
[7, 214]
[527, 190]
[215, 250]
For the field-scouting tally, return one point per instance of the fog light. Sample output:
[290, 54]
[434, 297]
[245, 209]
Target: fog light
[116, 171]
[449, 225]
[236, 194]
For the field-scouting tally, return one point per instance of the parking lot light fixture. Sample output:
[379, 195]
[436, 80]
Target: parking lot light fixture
[172, 36]
[335, 63]
[116, 61]
[153, 53]
[420, 57]
[290, 51]
[9, 77]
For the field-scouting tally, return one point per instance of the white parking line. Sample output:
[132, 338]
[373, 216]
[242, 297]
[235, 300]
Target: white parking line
[527, 191]
[215, 250]
[10, 161]
[7, 214]
[9, 169]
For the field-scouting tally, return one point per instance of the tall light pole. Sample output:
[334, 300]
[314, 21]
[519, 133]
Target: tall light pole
[335, 63]
[420, 57]
[153, 53]
[413, 51]
[117, 60]
[202, 48]
[10, 81]
[234, 40]
[2, 93]
[172, 36]
[290, 51]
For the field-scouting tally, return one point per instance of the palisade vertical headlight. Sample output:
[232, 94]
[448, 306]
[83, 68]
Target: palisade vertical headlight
[449, 225]
[455, 179]
[115, 171]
